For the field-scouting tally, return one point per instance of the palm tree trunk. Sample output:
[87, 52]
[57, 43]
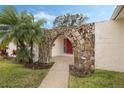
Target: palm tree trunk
[20, 45]
[44, 54]
[31, 53]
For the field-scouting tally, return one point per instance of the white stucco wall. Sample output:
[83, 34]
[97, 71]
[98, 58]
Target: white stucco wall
[109, 45]
[58, 49]
[10, 49]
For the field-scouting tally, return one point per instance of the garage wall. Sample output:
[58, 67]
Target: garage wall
[109, 45]
[58, 49]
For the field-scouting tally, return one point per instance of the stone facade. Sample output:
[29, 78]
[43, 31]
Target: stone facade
[82, 39]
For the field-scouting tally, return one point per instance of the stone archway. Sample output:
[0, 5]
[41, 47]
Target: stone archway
[83, 42]
[62, 47]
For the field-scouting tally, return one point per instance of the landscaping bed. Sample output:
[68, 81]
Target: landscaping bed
[39, 65]
[100, 79]
[77, 71]
[17, 76]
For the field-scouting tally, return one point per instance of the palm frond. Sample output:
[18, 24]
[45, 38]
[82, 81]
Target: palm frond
[8, 16]
[5, 40]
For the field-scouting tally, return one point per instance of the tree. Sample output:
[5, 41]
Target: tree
[69, 20]
[3, 46]
[45, 48]
[24, 31]
[35, 36]
[20, 25]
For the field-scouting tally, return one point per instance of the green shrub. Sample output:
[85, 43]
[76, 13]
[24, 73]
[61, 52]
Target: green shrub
[23, 55]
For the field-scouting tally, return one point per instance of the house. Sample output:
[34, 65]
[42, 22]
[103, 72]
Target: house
[109, 43]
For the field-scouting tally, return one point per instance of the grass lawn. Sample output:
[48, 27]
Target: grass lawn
[100, 79]
[17, 76]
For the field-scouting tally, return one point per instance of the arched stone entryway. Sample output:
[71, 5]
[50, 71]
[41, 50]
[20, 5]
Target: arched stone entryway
[82, 39]
[62, 46]
[61, 52]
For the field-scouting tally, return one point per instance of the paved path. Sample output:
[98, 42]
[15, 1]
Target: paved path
[58, 74]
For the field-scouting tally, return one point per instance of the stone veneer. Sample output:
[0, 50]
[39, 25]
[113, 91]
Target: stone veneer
[82, 39]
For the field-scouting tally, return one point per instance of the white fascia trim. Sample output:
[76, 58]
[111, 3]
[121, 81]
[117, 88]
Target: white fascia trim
[117, 11]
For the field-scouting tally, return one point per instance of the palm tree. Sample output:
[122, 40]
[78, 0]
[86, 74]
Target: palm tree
[17, 32]
[35, 35]
[24, 31]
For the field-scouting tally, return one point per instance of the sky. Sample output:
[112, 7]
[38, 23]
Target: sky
[95, 13]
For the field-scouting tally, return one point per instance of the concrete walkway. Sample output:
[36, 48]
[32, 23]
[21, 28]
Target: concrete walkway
[58, 74]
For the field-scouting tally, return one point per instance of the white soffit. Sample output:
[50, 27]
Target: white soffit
[118, 12]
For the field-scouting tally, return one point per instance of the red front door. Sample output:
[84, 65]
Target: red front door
[68, 47]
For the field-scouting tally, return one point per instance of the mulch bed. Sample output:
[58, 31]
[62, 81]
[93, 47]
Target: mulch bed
[39, 65]
[73, 70]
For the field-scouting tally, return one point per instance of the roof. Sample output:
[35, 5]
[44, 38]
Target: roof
[118, 12]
